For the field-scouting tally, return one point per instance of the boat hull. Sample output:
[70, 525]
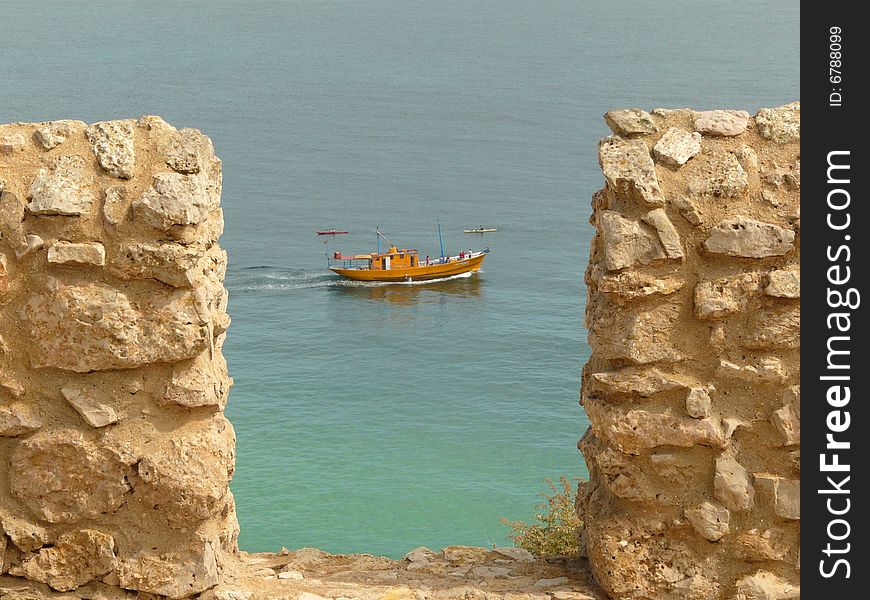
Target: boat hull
[419, 273]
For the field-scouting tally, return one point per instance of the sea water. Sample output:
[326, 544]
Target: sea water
[379, 418]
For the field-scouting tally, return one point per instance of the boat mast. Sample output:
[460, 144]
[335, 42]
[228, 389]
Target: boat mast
[440, 241]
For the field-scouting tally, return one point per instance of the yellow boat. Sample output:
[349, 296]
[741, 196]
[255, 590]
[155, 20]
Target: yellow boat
[405, 265]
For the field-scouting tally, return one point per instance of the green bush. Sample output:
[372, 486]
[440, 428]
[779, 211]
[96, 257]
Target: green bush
[555, 526]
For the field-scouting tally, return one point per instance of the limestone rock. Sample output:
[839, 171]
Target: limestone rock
[26, 536]
[785, 494]
[745, 237]
[113, 144]
[677, 146]
[188, 477]
[187, 151]
[718, 174]
[721, 122]
[766, 586]
[485, 571]
[633, 285]
[92, 410]
[87, 253]
[643, 382]
[640, 337]
[76, 558]
[420, 555]
[201, 382]
[781, 125]
[633, 431]
[517, 554]
[785, 283]
[115, 204]
[64, 478]
[5, 283]
[18, 419]
[11, 212]
[630, 121]
[768, 369]
[173, 264]
[726, 296]
[626, 242]
[11, 143]
[755, 545]
[175, 574]
[630, 170]
[552, 582]
[53, 134]
[31, 243]
[174, 199]
[688, 211]
[731, 483]
[698, 403]
[94, 327]
[710, 520]
[61, 189]
[668, 235]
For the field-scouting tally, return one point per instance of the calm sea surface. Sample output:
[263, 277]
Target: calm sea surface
[382, 418]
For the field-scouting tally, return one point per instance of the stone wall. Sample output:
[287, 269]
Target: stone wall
[116, 454]
[692, 389]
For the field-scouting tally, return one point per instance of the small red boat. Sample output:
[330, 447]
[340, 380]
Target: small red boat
[331, 232]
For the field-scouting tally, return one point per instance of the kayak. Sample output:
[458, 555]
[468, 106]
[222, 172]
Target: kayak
[480, 230]
[331, 232]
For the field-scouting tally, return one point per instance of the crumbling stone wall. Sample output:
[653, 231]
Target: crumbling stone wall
[692, 389]
[116, 455]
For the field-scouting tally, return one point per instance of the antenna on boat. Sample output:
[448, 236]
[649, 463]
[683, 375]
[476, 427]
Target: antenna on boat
[440, 241]
[378, 232]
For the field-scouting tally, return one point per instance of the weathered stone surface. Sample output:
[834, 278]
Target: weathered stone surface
[745, 237]
[688, 210]
[768, 369]
[61, 189]
[116, 204]
[13, 142]
[630, 170]
[784, 494]
[18, 419]
[86, 253]
[643, 382]
[726, 123]
[638, 337]
[63, 478]
[188, 478]
[76, 558]
[718, 174]
[677, 146]
[202, 382]
[766, 586]
[31, 243]
[187, 151]
[710, 520]
[517, 554]
[114, 145]
[630, 121]
[173, 264]
[785, 283]
[53, 134]
[5, 283]
[668, 235]
[95, 327]
[731, 483]
[633, 431]
[95, 412]
[772, 328]
[627, 243]
[175, 574]
[725, 296]
[627, 286]
[782, 124]
[11, 214]
[174, 200]
[756, 545]
[26, 535]
[698, 403]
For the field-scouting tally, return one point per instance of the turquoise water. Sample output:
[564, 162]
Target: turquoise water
[381, 418]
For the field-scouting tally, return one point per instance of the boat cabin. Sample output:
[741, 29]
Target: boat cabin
[391, 259]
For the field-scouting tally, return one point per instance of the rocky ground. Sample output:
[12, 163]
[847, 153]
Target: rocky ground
[308, 574]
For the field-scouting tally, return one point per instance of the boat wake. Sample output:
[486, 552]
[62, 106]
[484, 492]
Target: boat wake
[276, 279]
